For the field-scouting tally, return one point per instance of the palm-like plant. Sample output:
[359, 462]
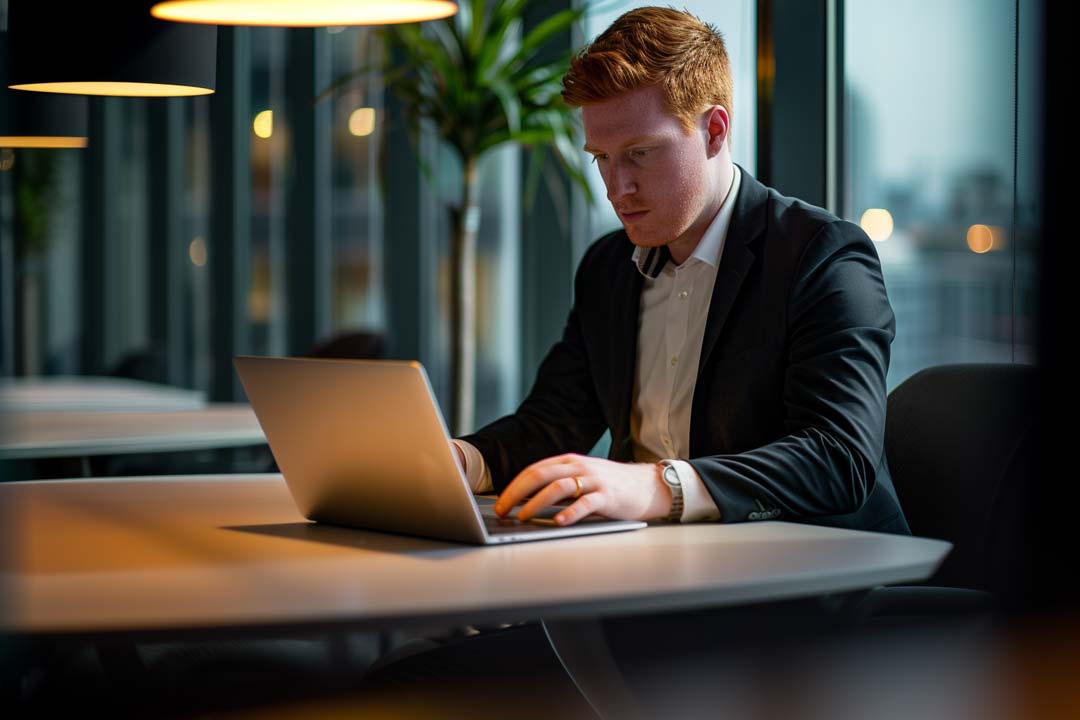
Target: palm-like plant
[480, 87]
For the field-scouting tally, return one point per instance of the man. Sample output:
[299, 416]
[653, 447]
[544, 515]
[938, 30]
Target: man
[733, 340]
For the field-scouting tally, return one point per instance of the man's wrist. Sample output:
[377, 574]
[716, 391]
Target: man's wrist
[672, 480]
[662, 506]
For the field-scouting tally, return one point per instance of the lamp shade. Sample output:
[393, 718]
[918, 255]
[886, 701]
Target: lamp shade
[107, 48]
[38, 119]
[304, 13]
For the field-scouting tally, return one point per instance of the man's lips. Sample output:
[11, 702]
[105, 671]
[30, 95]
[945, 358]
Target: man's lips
[631, 216]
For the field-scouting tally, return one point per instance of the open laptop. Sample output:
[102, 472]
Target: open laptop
[362, 443]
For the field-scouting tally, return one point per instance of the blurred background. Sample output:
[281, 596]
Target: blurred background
[940, 168]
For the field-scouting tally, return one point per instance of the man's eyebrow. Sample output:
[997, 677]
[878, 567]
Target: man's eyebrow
[632, 141]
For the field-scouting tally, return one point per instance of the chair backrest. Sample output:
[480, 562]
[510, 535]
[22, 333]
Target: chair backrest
[960, 443]
[354, 345]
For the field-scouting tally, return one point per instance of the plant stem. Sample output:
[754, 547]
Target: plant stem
[466, 222]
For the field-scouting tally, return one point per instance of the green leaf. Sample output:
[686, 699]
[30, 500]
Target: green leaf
[531, 43]
[496, 44]
[476, 28]
[510, 101]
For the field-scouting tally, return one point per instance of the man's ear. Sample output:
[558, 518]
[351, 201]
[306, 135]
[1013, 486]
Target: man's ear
[717, 129]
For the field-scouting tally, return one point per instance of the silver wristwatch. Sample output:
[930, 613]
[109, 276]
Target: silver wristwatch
[670, 476]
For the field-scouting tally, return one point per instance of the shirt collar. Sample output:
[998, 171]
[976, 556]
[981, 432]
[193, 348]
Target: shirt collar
[652, 261]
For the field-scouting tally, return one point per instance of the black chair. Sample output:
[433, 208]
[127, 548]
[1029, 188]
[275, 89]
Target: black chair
[960, 443]
[356, 345]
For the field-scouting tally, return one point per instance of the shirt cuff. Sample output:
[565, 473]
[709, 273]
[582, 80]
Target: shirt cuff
[476, 470]
[697, 502]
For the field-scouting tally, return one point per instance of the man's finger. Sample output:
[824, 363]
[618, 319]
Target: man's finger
[555, 491]
[585, 506]
[533, 478]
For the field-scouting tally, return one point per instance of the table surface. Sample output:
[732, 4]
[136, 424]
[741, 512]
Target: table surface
[231, 551]
[71, 434]
[67, 393]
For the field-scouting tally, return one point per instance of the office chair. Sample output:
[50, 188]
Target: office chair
[959, 441]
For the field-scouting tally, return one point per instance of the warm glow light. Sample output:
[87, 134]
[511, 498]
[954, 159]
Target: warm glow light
[44, 141]
[362, 121]
[197, 252]
[309, 13]
[264, 124]
[123, 89]
[877, 223]
[983, 238]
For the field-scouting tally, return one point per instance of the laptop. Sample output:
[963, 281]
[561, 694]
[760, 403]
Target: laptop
[362, 443]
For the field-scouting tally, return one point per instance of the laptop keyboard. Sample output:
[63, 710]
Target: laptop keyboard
[496, 524]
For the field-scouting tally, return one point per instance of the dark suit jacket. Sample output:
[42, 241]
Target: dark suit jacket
[788, 414]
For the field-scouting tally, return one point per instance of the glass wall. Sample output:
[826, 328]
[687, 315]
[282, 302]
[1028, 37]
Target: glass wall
[42, 213]
[356, 133]
[266, 309]
[933, 172]
[196, 229]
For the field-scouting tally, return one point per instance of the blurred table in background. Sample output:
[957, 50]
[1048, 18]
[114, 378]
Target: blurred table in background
[52, 434]
[98, 394]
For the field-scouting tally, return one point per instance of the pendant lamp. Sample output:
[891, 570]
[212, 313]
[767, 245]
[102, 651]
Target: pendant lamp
[303, 13]
[42, 120]
[107, 48]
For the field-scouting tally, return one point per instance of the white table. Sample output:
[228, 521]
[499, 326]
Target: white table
[41, 434]
[231, 551]
[87, 393]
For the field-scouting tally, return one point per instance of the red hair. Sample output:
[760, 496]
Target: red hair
[654, 46]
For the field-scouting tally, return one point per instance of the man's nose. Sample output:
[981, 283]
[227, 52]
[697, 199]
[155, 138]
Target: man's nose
[620, 184]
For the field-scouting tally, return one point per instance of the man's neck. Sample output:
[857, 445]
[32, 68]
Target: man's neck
[683, 247]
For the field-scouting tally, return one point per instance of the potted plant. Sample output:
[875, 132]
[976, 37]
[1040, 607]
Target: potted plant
[480, 83]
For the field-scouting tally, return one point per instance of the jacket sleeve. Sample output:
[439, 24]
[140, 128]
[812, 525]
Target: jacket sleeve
[840, 326]
[561, 414]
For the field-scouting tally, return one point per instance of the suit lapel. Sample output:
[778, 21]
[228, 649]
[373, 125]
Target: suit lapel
[625, 308]
[747, 223]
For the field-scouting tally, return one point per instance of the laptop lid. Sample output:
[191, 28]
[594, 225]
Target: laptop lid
[362, 443]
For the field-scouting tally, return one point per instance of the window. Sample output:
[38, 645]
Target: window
[934, 172]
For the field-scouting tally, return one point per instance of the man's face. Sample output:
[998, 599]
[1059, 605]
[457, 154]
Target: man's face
[657, 176]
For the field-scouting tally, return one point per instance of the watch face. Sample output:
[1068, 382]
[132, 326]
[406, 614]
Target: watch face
[671, 476]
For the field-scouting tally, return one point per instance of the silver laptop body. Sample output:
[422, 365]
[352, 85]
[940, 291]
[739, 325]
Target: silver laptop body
[362, 443]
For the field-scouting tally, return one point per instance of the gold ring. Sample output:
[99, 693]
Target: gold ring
[579, 488]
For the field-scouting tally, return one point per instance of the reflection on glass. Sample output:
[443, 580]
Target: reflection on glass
[263, 125]
[196, 225]
[929, 150]
[265, 299]
[356, 205]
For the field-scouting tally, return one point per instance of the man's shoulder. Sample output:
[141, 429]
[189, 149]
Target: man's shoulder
[794, 216]
[607, 251]
[801, 223]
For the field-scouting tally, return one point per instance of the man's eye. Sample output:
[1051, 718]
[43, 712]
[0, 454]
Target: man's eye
[639, 153]
[598, 158]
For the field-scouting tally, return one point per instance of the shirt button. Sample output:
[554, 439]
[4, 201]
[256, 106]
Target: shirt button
[674, 359]
[683, 295]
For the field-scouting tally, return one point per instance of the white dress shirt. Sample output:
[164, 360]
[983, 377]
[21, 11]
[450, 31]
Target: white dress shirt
[671, 326]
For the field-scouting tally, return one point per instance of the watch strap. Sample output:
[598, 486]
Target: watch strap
[677, 502]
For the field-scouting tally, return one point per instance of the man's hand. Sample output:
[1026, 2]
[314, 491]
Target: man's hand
[623, 491]
[459, 455]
